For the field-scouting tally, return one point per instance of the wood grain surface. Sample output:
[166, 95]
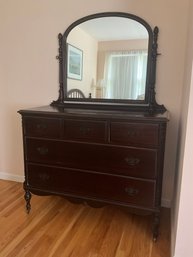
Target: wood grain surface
[57, 228]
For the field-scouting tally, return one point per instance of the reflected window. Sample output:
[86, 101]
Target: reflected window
[125, 74]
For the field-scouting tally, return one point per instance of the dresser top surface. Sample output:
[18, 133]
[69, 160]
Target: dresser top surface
[92, 113]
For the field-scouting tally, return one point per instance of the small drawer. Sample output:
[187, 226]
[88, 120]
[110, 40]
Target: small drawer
[134, 134]
[43, 127]
[84, 130]
[135, 162]
[115, 189]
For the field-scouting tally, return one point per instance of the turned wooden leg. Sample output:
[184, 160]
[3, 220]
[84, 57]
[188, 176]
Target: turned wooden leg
[27, 197]
[156, 226]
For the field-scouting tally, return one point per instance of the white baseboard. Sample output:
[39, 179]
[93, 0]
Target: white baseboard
[166, 203]
[11, 177]
[181, 254]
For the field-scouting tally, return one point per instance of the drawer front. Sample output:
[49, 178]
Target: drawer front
[134, 134]
[81, 130]
[43, 127]
[92, 185]
[106, 159]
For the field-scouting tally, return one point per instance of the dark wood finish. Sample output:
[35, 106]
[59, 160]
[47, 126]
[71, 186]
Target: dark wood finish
[84, 130]
[98, 151]
[135, 134]
[43, 127]
[107, 157]
[148, 105]
[89, 185]
[103, 158]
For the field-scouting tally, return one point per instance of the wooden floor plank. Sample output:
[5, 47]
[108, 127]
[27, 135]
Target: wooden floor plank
[57, 228]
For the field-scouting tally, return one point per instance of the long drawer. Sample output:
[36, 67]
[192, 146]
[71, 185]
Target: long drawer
[92, 185]
[137, 162]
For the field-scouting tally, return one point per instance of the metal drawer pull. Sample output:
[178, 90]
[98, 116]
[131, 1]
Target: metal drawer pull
[131, 133]
[42, 150]
[84, 130]
[41, 126]
[132, 161]
[131, 191]
[43, 176]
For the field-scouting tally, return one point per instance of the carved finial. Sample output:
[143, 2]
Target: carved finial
[60, 40]
[154, 46]
[59, 36]
[155, 35]
[156, 30]
[60, 59]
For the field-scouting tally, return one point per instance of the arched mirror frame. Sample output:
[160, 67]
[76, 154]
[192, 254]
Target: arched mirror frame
[149, 104]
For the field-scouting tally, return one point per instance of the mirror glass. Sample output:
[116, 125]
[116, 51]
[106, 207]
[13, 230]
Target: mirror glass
[107, 59]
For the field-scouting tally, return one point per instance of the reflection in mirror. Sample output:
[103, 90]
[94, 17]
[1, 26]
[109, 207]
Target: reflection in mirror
[113, 59]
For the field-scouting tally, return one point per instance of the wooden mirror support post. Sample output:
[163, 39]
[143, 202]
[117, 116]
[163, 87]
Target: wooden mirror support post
[153, 105]
[60, 100]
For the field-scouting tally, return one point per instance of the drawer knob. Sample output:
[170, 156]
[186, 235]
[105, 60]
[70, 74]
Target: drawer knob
[41, 126]
[84, 130]
[131, 133]
[132, 161]
[44, 176]
[42, 150]
[131, 191]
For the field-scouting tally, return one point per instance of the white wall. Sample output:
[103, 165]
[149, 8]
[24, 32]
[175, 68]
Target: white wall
[29, 70]
[182, 208]
[184, 212]
[123, 45]
[89, 46]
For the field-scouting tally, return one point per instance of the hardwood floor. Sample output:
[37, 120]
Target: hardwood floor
[57, 228]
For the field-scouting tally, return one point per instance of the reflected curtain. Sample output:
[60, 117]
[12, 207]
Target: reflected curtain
[125, 74]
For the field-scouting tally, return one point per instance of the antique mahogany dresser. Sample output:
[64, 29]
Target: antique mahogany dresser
[98, 151]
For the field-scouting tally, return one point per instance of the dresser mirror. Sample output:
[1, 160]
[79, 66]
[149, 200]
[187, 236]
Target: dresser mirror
[108, 60]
